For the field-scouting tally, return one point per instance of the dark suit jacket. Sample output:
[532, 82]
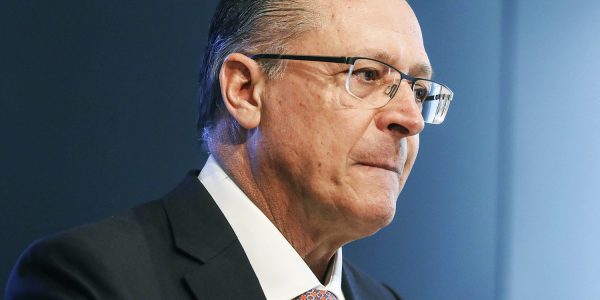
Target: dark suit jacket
[177, 247]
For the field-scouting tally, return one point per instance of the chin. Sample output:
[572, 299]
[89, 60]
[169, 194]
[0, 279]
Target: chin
[373, 213]
[372, 204]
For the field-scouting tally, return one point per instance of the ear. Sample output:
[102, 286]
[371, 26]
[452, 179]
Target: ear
[241, 81]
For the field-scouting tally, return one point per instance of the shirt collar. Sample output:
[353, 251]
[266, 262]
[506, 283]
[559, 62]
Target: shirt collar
[282, 273]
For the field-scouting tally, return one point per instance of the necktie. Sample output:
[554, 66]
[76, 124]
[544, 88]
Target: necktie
[315, 294]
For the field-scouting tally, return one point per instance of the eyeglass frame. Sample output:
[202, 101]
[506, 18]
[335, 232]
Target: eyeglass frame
[350, 60]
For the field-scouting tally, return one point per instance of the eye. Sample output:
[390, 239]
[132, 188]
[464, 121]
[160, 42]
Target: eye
[420, 92]
[367, 74]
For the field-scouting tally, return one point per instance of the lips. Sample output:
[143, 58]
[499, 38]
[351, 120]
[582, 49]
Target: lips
[382, 165]
[383, 155]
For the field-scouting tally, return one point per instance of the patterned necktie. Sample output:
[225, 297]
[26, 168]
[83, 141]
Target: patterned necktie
[315, 294]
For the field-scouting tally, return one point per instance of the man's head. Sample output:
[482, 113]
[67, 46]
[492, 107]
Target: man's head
[247, 26]
[307, 140]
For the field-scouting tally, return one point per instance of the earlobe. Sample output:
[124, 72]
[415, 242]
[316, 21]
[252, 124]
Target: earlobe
[241, 79]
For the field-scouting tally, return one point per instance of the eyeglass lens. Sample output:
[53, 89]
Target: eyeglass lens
[375, 83]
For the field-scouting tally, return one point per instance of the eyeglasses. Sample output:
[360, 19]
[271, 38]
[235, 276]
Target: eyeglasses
[374, 83]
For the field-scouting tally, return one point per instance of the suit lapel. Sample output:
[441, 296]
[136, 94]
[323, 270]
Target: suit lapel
[349, 284]
[359, 286]
[201, 231]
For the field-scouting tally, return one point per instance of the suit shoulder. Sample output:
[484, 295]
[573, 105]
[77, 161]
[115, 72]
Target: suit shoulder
[118, 229]
[81, 261]
[117, 236]
[364, 286]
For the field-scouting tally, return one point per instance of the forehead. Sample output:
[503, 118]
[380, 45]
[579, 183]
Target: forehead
[361, 27]
[396, 15]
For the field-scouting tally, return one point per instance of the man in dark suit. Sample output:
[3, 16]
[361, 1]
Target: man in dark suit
[312, 122]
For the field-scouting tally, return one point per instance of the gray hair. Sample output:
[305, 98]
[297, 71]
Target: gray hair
[247, 27]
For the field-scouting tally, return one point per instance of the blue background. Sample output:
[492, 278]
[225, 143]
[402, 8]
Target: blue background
[97, 114]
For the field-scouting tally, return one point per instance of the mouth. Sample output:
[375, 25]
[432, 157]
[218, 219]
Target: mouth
[381, 165]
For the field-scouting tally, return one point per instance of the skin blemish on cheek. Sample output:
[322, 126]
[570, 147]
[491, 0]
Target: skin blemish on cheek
[335, 180]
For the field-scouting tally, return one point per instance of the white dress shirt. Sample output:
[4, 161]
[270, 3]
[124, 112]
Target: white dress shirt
[282, 273]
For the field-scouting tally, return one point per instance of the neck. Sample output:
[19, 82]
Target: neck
[315, 243]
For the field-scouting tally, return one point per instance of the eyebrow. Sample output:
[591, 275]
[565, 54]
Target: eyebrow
[421, 70]
[424, 70]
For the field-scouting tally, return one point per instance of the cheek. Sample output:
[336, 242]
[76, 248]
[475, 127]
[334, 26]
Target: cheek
[311, 112]
[297, 116]
[305, 118]
[412, 145]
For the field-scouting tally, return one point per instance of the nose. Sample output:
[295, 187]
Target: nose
[401, 116]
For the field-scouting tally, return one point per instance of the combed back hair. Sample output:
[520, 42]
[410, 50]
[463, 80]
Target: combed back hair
[247, 27]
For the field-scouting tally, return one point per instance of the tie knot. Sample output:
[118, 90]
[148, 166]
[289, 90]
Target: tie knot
[314, 294]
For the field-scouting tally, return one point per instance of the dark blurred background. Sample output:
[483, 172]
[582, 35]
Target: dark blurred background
[97, 114]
